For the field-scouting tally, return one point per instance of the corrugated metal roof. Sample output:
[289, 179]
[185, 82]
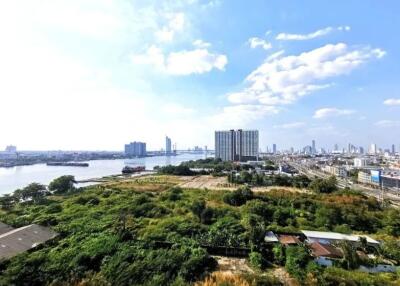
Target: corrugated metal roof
[325, 250]
[4, 228]
[336, 236]
[288, 239]
[22, 239]
[270, 237]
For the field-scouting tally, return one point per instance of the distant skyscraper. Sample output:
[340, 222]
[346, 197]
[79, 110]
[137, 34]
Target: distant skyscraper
[361, 150]
[135, 149]
[168, 145]
[239, 145]
[314, 150]
[11, 149]
[336, 147]
[373, 149]
[393, 149]
[274, 148]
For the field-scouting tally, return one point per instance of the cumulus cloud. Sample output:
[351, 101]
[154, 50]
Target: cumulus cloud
[392, 101]
[241, 115]
[309, 36]
[175, 24]
[291, 125]
[257, 42]
[201, 44]
[332, 112]
[285, 79]
[387, 123]
[185, 62]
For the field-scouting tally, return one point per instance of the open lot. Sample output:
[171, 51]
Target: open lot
[208, 182]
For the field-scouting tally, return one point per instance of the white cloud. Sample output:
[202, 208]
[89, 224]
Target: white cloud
[313, 35]
[291, 125]
[392, 101]
[176, 109]
[332, 112]
[176, 22]
[285, 79]
[184, 62]
[257, 42]
[387, 123]
[201, 44]
[241, 115]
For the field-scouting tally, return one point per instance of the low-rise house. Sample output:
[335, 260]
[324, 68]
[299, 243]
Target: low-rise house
[325, 254]
[22, 239]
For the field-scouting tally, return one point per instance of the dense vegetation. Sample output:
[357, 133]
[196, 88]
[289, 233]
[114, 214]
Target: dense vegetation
[149, 232]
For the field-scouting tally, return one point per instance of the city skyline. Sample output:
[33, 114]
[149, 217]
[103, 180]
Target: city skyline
[293, 71]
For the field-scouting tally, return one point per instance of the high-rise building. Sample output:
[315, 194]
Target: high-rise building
[137, 149]
[393, 149]
[236, 145]
[361, 150]
[168, 146]
[336, 147]
[274, 148]
[372, 149]
[11, 149]
[314, 150]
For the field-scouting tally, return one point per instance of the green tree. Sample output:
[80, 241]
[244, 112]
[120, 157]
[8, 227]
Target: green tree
[34, 191]
[297, 258]
[350, 258]
[198, 207]
[7, 202]
[62, 185]
[324, 185]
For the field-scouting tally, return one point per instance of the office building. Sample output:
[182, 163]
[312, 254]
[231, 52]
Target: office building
[393, 149]
[135, 149]
[11, 149]
[274, 148]
[360, 162]
[314, 150]
[168, 146]
[236, 145]
[373, 149]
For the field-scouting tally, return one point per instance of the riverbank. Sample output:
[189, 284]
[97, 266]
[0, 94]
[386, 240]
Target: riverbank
[20, 176]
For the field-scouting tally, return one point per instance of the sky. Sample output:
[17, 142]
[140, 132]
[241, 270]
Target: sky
[96, 74]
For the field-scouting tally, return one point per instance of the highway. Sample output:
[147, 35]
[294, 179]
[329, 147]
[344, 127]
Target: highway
[393, 198]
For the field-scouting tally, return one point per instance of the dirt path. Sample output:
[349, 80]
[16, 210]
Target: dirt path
[284, 277]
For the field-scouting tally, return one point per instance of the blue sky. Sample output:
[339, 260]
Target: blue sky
[89, 74]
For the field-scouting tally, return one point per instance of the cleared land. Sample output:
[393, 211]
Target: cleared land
[208, 182]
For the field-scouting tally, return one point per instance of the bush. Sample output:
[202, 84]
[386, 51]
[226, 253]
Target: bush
[256, 260]
[324, 185]
[238, 197]
[297, 258]
[62, 185]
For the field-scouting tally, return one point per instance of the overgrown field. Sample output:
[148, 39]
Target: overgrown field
[147, 231]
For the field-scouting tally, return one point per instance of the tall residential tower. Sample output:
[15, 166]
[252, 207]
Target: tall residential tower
[236, 145]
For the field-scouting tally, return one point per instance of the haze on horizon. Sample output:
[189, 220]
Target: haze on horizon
[96, 74]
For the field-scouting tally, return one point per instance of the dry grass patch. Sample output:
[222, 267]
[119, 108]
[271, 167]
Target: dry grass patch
[280, 189]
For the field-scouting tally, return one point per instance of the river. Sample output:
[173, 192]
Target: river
[18, 177]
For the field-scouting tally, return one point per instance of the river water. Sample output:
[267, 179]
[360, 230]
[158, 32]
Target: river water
[18, 177]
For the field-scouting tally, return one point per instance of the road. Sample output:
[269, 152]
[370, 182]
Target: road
[393, 198]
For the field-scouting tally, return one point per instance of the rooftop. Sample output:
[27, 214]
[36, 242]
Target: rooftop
[22, 239]
[288, 239]
[325, 250]
[4, 228]
[337, 236]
